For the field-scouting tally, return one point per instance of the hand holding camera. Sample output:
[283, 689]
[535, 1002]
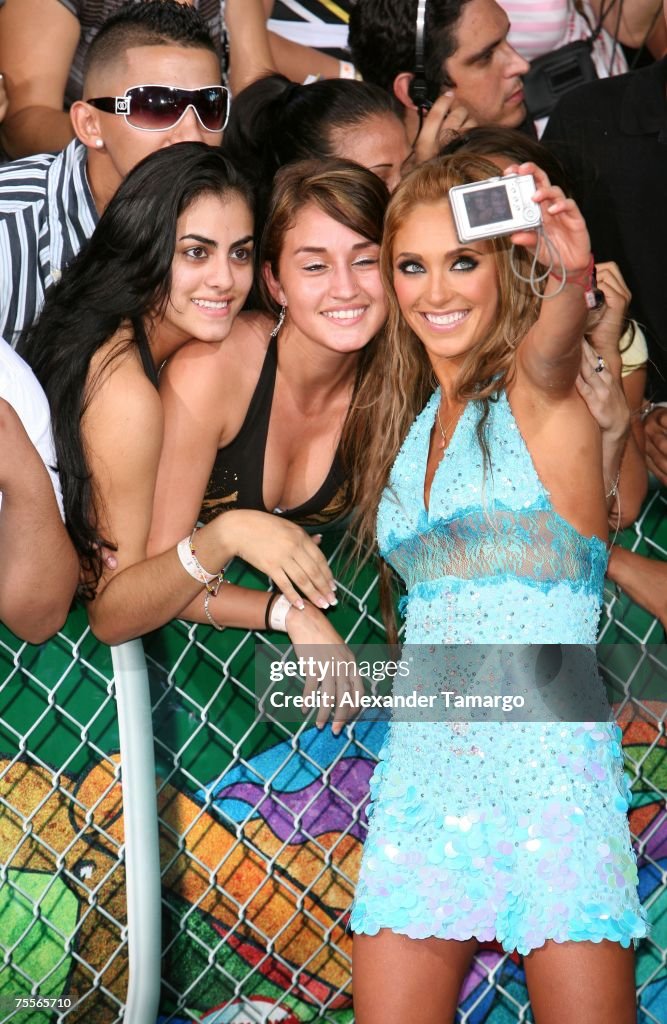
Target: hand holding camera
[564, 225]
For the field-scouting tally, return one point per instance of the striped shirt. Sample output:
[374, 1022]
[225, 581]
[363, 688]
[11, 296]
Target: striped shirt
[46, 214]
[541, 26]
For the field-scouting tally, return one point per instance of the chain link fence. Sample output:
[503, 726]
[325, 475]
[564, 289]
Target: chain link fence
[62, 878]
[261, 825]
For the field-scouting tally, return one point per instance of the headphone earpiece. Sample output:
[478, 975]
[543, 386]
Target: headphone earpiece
[418, 93]
[418, 90]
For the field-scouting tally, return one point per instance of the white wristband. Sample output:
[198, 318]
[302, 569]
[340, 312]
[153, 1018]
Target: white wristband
[191, 565]
[278, 614]
[346, 69]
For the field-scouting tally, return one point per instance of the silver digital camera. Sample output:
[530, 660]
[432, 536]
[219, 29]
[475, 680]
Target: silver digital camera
[497, 206]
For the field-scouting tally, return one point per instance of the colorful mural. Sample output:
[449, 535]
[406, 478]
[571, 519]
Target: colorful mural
[307, 832]
[261, 833]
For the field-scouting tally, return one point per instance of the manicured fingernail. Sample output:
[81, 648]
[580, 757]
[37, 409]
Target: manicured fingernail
[333, 599]
[553, 208]
[334, 585]
[321, 603]
[298, 604]
[449, 93]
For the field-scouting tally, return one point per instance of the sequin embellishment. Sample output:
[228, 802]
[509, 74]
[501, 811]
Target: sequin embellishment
[515, 831]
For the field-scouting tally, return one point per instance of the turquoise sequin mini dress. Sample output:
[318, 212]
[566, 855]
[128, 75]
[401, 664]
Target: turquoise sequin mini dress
[507, 830]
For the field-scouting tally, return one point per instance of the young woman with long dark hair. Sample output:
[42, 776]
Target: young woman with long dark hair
[170, 260]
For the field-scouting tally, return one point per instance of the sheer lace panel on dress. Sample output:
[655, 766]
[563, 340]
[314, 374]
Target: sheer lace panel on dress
[537, 546]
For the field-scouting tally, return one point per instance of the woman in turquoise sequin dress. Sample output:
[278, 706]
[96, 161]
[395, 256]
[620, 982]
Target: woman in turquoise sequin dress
[494, 515]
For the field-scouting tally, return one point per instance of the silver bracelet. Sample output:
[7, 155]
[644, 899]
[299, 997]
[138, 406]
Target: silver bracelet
[209, 614]
[614, 487]
[651, 407]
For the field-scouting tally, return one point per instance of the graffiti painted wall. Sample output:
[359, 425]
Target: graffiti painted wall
[261, 827]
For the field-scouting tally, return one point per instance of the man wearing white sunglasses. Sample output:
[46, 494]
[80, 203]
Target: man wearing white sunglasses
[152, 79]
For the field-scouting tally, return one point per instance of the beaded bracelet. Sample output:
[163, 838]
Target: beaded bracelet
[586, 279]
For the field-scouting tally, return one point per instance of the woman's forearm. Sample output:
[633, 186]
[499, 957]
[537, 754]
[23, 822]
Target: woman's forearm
[632, 486]
[238, 607]
[643, 579]
[151, 592]
[554, 358]
[36, 130]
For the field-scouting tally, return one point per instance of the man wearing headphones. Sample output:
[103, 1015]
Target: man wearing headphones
[448, 62]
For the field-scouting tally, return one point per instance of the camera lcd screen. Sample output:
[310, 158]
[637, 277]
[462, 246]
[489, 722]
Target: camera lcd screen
[487, 206]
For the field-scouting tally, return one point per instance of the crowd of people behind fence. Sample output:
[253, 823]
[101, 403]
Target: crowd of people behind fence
[235, 353]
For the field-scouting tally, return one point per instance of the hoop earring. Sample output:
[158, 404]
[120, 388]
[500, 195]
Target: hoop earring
[280, 321]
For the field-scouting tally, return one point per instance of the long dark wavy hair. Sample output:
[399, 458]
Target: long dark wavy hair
[121, 278]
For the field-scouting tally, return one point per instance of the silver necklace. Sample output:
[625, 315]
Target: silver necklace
[442, 444]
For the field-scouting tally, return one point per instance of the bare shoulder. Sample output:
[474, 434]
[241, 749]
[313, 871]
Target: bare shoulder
[202, 366]
[123, 410]
[213, 384]
[252, 328]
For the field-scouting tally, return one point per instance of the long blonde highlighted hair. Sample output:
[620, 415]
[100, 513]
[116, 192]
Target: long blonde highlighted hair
[400, 380]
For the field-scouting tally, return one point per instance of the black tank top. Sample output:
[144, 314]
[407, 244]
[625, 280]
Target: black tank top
[147, 362]
[238, 471]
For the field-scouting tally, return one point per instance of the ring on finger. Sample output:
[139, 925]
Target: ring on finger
[601, 365]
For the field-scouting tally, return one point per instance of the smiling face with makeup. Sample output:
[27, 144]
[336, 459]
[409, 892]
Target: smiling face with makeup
[329, 280]
[447, 292]
[211, 270]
